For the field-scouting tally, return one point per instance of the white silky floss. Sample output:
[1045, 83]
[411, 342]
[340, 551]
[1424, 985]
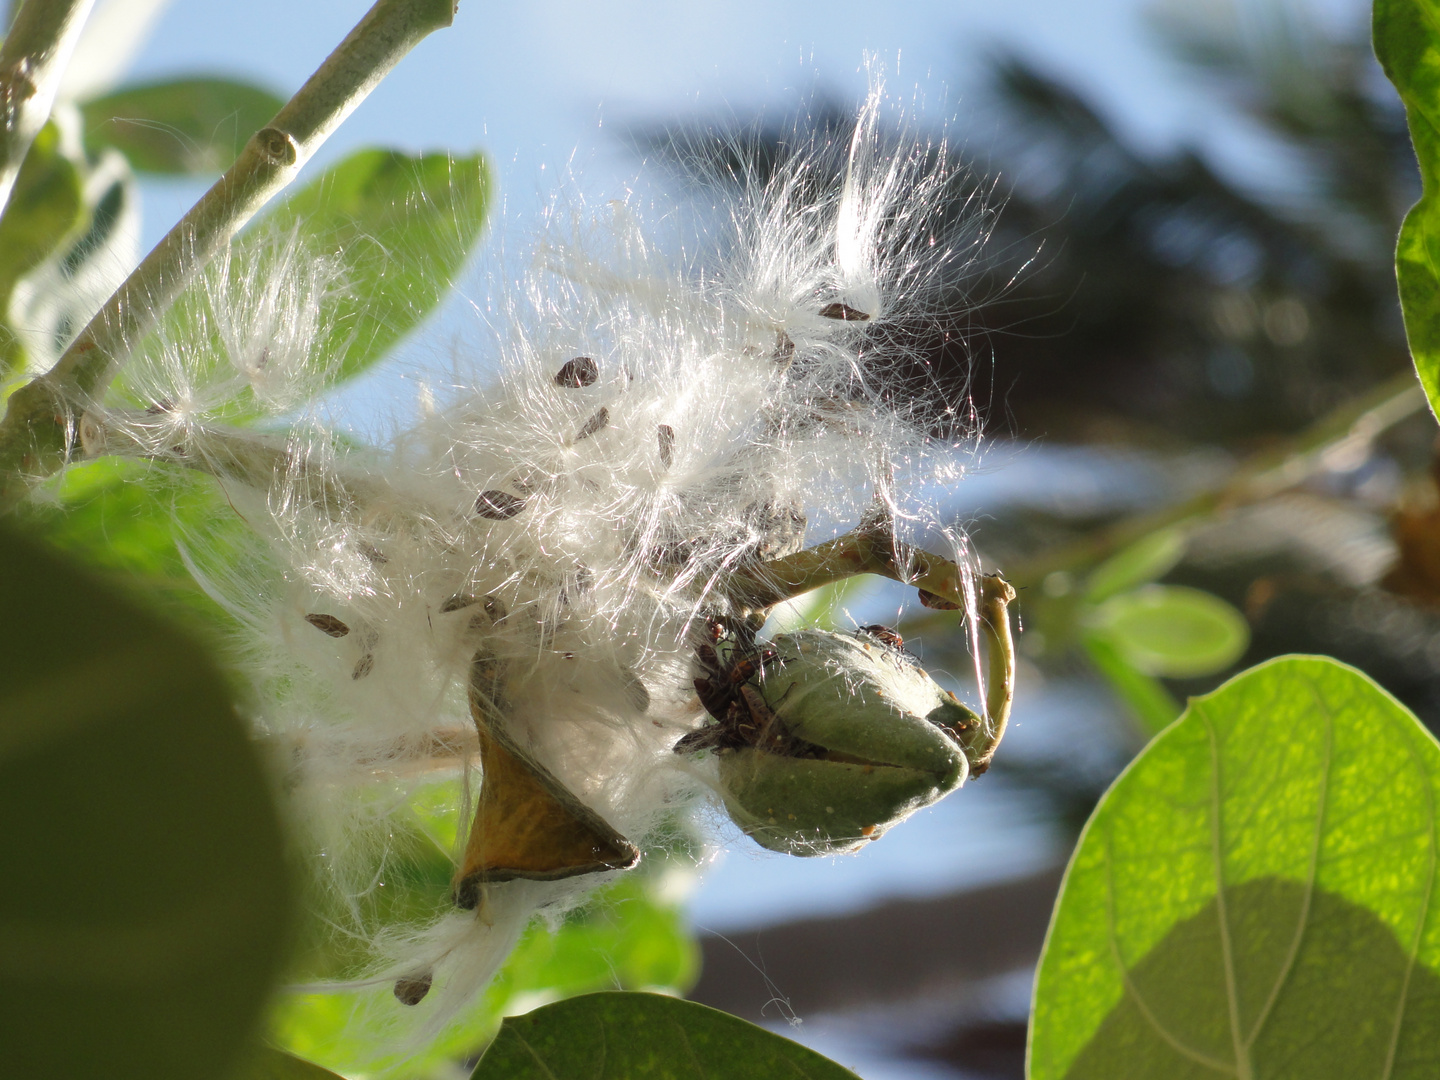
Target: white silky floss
[648, 422]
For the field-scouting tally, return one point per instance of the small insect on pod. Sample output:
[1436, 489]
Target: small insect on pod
[825, 740]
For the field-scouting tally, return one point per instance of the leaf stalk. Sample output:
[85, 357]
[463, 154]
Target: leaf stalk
[37, 434]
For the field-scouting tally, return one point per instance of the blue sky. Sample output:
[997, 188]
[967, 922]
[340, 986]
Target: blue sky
[543, 83]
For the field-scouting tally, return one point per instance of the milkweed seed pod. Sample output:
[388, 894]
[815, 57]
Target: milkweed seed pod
[651, 419]
[833, 739]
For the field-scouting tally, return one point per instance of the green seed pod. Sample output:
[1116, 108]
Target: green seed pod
[836, 737]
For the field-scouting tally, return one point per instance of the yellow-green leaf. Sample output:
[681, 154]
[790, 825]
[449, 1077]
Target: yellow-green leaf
[1256, 895]
[1171, 630]
[1407, 42]
[401, 227]
[44, 209]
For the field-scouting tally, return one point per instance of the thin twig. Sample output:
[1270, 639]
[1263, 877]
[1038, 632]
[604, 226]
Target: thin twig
[255, 459]
[1262, 476]
[869, 549]
[872, 549]
[32, 63]
[37, 432]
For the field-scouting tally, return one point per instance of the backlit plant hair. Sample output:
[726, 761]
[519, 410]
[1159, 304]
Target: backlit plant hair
[519, 584]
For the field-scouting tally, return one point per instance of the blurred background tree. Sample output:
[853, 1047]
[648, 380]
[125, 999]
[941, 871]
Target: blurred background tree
[1225, 355]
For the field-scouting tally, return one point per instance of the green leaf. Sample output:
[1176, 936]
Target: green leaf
[146, 903]
[1407, 43]
[124, 518]
[1171, 630]
[45, 208]
[1255, 896]
[181, 126]
[631, 933]
[380, 238]
[1152, 705]
[621, 1036]
[625, 936]
[1148, 558]
[401, 228]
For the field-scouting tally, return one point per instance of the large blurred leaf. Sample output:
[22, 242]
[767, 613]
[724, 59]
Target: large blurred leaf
[619, 1036]
[145, 904]
[271, 1064]
[401, 228]
[180, 126]
[1171, 630]
[1254, 896]
[1407, 42]
[44, 208]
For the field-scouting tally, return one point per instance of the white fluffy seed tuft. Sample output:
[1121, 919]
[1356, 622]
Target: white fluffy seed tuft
[648, 422]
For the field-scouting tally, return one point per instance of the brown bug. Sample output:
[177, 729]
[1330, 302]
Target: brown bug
[729, 695]
[885, 634]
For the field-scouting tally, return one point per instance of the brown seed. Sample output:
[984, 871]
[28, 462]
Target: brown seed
[363, 666]
[594, 424]
[843, 312]
[495, 609]
[327, 624]
[456, 602]
[374, 554]
[582, 371]
[635, 691]
[527, 482]
[667, 445]
[784, 347]
[412, 989]
[498, 505]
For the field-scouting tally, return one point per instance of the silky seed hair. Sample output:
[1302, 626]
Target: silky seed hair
[651, 415]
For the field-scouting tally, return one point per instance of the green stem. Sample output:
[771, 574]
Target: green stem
[869, 549]
[1262, 476]
[873, 549]
[257, 460]
[995, 596]
[37, 433]
[32, 63]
